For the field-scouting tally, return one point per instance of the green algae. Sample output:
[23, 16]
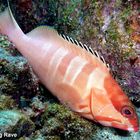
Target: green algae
[59, 120]
[6, 102]
[8, 66]
[40, 137]
[24, 126]
[6, 86]
[68, 15]
[15, 73]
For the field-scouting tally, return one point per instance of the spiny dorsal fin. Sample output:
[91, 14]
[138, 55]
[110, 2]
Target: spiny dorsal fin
[84, 46]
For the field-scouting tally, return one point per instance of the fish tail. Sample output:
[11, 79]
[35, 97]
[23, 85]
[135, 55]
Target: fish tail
[8, 24]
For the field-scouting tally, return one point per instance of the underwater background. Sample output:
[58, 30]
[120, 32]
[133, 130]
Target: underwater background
[27, 108]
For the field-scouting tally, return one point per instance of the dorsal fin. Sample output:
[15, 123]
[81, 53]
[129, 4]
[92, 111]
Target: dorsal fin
[42, 32]
[88, 49]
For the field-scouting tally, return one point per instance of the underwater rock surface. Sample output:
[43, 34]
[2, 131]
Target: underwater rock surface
[24, 101]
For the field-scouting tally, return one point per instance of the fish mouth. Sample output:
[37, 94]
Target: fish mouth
[125, 127]
[119, 125]
[132, 129]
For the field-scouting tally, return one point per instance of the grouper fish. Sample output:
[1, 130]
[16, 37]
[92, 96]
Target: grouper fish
[74, 73]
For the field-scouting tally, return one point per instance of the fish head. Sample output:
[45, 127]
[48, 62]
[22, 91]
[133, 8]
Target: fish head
[111, 107]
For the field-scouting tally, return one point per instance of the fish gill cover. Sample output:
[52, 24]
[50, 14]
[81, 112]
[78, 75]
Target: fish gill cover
[111, 27]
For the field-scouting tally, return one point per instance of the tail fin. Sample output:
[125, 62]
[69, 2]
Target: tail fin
[8, 24]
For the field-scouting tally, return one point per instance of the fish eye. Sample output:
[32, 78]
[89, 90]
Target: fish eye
[127, 111]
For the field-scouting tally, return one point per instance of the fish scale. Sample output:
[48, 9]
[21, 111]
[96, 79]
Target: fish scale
[55, 61]
[74, 69]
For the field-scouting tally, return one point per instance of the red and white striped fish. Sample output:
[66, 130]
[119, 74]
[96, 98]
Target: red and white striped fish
[78, 78]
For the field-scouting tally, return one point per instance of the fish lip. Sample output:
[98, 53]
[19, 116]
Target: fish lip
[123, 127]
[127, 128]
[136, 128]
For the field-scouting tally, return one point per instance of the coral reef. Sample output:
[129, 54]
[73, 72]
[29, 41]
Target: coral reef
[108, 27]
[13, 69]
[59, 120]
[63, 16]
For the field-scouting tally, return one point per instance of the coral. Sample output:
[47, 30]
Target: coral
[62, 15]
[6, 86]
[6, 102]
[12, 121]
[59, 120]
[24, 127]
[16, 75]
